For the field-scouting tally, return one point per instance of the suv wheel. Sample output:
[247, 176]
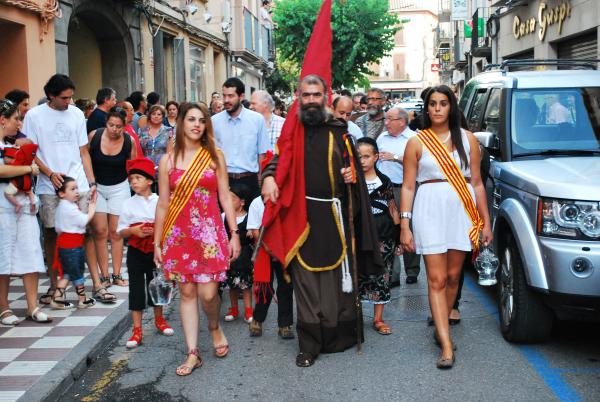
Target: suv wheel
[523, 315]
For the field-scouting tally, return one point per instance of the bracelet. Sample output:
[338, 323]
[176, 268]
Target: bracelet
[235, 231]
[92, 184]
[405, 215]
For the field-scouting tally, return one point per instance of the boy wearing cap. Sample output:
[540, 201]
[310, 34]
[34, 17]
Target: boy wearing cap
[136, 222]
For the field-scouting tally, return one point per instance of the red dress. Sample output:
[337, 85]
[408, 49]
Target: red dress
[195, 248]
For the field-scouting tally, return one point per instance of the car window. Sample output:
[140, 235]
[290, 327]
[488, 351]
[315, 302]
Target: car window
[491, 118]
[466, 95]
[477, 109]
[555, 119]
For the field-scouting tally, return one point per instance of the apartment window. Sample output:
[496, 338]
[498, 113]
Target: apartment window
[197, 74]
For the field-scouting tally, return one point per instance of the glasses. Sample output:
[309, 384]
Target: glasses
[6, 105]
[374, 99]
[388, 119]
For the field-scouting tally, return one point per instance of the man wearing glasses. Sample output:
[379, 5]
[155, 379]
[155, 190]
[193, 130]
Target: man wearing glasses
[392, 144]
[372, 123]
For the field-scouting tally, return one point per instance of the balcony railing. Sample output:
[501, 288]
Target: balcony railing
[480, 42]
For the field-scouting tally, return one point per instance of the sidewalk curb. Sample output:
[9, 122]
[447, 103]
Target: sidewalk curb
[58, 380]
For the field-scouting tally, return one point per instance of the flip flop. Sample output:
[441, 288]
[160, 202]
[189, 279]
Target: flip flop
[382, 328]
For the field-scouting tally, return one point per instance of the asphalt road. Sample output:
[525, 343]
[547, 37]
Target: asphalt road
[399, 367]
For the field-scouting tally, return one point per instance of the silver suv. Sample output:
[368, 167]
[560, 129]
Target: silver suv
[542, 130]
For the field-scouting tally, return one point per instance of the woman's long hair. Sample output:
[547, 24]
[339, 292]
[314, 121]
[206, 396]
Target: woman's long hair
[454, 120]
[208, 137]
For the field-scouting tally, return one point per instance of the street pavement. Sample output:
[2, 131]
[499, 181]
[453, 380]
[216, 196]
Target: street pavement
[399, 367]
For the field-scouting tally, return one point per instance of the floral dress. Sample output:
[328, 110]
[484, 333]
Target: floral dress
[195, 248]
[155, 148]
[376, 289]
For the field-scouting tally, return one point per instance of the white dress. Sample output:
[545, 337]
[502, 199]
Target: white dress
[20, 244]
[440, 222]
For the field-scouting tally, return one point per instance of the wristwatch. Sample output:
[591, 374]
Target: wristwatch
[396, 157]
[92, 184]
[405, 215]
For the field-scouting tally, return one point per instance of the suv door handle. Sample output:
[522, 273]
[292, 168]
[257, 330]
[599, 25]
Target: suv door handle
[496, 198]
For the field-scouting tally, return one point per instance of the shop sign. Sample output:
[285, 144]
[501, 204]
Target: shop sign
[435, 68]
[459, 10]
[546, 16]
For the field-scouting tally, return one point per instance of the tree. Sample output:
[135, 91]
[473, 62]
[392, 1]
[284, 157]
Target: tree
[363, 32]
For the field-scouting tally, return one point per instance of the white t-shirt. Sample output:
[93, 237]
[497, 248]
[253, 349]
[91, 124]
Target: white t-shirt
[355, 130]
[69, 218]
[137, 209]
[59, 135]
[255, 213]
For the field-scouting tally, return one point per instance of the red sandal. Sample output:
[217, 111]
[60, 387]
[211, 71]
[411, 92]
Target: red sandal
[136, 338]
[162, 326]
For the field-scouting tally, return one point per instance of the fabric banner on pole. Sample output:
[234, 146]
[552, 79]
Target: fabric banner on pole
[459, 10]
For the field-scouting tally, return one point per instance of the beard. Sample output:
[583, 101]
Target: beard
[374, 110]
[312, 114]
[233, 108]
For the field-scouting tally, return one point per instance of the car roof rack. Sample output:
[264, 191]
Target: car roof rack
[591, 64]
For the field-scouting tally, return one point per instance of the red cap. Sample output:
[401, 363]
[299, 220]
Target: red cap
[143, 166]
[10, 152]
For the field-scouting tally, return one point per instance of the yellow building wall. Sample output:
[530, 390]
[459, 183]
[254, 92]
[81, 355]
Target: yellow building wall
[85, 61]
[36, 60]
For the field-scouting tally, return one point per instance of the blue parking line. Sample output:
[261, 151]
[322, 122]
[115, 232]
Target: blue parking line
[551, 376]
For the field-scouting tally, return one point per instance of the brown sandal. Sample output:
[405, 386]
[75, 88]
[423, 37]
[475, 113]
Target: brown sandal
[184, 370]
[381, 327]
[221, 350]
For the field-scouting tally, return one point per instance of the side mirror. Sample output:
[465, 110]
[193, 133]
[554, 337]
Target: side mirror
[487, 139]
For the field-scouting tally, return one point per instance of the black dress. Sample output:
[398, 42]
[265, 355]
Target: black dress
[240, 273]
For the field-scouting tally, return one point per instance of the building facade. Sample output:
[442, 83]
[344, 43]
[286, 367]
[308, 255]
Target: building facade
[27, 42]
[412, 64]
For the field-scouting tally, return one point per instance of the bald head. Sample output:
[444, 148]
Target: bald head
[342, 108]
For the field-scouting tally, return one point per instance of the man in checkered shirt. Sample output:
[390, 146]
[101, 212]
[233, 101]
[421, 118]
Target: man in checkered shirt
[262, 102]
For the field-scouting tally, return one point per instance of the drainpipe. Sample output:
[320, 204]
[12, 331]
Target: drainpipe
[142, 82]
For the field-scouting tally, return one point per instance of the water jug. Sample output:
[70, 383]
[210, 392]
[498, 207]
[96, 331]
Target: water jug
[161, 290]
[486, 265]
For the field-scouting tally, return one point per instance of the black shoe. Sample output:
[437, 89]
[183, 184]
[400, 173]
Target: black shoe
[411, 279]
[304, 360]
[394, 284]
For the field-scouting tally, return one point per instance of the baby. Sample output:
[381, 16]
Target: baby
[16, 156]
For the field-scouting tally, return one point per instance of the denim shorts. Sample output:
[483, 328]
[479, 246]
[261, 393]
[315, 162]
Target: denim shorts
[73, 264]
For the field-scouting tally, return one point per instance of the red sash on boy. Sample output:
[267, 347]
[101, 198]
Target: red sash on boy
[185, 187]
[144, 244]
[66, 240]
[456, 179]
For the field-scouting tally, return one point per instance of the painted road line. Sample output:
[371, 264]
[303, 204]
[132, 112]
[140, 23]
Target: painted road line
[551, 376]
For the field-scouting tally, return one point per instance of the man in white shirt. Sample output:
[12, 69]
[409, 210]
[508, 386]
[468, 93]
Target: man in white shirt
[59, 129]
[391, 144]
[342, 109]
[262, 102]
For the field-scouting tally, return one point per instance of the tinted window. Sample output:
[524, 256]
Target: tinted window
[491, 118]
[476, 110]
[464, 99]
[555, 119]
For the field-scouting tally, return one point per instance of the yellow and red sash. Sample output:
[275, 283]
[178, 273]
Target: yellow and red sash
[456, 179]
[185, 187]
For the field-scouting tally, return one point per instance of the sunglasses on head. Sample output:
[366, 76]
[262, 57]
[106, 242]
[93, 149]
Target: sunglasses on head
[6, 105]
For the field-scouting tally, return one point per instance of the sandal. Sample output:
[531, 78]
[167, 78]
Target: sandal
[184, 370]
[7, 317]
[304, 359]
[381, 327]
[221, 350]
[59, 302]
[104, 296]
[119, 281]
[454, 321]
[105, 281]
[86, 302]
[37, 315]
[444, 363]
[47, 298]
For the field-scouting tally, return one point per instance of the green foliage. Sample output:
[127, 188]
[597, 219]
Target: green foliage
[363, 32]
[283, 78]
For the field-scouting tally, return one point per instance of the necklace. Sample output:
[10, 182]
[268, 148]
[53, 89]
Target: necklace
[445, 140]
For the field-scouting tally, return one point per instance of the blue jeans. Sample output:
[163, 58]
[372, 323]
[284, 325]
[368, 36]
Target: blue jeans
[73, 264]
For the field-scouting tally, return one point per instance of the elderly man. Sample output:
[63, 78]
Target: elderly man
[262, 102]
[372, 123]
[326, 314]
[242, 135]
[342, 109]
[392, 144]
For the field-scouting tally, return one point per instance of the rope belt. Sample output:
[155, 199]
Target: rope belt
[346, 278]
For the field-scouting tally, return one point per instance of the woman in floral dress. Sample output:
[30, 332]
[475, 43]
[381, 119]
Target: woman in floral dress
[190, 239]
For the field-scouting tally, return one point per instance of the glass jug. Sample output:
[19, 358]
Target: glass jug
[161, 290]
[486, 265]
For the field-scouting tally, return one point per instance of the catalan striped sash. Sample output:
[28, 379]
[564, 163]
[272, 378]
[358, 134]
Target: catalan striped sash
[454, 176]
[185, 187]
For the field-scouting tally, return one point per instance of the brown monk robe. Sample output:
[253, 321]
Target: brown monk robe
[326, 316]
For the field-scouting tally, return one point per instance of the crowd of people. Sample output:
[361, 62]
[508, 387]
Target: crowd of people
[187, 184]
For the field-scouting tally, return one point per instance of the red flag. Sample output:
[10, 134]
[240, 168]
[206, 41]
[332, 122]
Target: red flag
[285, 223]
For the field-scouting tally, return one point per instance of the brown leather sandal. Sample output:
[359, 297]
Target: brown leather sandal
[184, 370]
[381, 327]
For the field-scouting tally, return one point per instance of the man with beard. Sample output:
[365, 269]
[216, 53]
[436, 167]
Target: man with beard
[242, 136]
[327, 319]
[372, 123]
